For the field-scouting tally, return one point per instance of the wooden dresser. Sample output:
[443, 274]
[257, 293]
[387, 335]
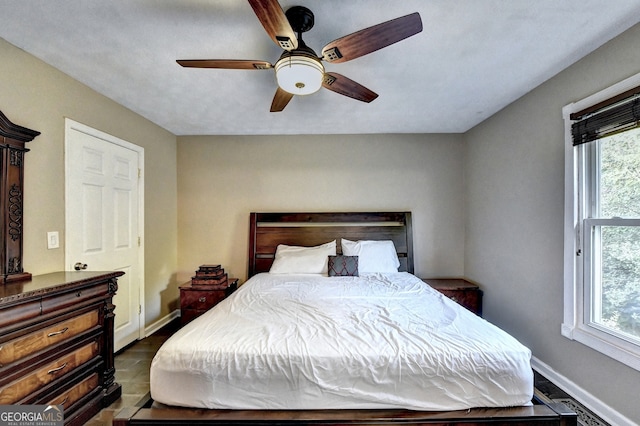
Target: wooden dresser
[56, 342]
[459, 290]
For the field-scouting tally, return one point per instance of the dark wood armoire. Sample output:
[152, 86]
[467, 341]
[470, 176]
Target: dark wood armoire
[12, 149]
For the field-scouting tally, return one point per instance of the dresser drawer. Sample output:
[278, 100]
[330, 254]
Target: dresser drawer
[21, 312]
[40, 377]
[24, 346]
[77, 392]
[72, 299]
[200, 300]
[197, 299]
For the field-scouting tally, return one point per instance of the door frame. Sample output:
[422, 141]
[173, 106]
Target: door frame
[107, 138]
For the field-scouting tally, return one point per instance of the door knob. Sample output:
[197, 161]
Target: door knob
[79, 265]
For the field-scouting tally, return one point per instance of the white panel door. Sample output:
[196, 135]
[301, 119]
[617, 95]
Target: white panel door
[103, 206]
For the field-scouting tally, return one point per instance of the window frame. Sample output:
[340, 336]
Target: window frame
[578, 239]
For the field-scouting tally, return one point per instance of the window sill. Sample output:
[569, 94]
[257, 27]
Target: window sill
[619, 349]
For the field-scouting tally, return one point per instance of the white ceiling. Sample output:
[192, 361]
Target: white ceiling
[472, 58]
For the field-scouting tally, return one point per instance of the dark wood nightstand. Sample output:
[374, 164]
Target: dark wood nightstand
[198, 299]
[459, 290]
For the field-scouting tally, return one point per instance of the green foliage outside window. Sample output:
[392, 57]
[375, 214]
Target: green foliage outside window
[619, 196]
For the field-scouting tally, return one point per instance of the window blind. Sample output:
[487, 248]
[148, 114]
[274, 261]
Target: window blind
[622, 112]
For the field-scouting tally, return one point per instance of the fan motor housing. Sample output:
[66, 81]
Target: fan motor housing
[300, 18]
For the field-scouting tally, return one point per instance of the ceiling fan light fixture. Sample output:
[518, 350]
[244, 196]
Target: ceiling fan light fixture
[299, 75]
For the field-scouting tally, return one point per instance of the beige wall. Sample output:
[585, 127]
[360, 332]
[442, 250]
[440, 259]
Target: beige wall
[514, 237]
[39, 97]
[222, 179]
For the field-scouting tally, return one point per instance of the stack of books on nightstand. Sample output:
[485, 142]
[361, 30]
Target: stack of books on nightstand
[212, 276]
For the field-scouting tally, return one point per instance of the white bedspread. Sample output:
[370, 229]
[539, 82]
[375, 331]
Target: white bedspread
[311, 342]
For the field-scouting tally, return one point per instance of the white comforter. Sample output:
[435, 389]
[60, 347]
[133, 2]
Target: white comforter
[311, 342]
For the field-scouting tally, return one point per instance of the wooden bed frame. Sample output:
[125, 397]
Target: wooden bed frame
[267, 230]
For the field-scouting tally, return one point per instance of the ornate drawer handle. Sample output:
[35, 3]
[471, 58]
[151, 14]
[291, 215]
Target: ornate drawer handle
[64, 401]
[202, 299]
[55, 333]
[55, 370]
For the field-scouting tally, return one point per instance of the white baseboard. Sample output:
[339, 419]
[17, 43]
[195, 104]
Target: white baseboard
[598, 407]
[152, 328]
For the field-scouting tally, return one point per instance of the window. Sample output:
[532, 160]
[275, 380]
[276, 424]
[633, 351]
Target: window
[602, 222]
[612, 234]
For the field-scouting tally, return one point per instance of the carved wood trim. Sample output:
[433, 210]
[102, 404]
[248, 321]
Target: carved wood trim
[13, 131]
[12, 149]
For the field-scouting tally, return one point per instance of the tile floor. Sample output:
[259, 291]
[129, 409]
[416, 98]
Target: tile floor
[132, 372]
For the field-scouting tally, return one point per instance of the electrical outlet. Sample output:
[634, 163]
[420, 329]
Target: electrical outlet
[53, 241]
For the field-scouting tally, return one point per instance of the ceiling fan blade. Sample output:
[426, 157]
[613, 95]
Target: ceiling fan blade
[280, 100]
[275, 23]
[371, 39]
[340, 84]
[231, 64]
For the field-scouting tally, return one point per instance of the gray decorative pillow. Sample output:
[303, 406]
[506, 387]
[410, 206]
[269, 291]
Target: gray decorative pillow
[343, 266]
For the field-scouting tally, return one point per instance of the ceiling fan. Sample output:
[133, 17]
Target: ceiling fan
[299, 71]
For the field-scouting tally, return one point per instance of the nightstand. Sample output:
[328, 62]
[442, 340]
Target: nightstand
[459, 290]
[198, 299]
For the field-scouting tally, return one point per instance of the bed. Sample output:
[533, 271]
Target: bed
[294, 346]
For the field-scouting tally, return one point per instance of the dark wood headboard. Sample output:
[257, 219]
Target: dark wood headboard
[267, 230]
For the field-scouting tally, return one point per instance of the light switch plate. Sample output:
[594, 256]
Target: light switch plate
[53, 240]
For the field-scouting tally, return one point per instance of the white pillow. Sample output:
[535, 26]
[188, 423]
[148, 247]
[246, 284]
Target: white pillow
[303, 260]
[373, 256]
